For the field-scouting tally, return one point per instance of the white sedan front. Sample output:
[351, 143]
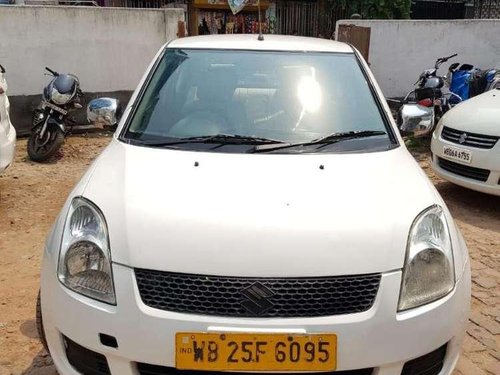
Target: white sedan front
[249, 217]
[465, 146]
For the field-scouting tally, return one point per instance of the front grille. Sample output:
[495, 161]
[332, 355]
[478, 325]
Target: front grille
[257, 297]
[145, 369]
[468, 139]
[429, 364]
[85, 361]
[478, 174]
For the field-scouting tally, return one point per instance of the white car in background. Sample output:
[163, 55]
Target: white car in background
[7, 131]
[466, 147]
[256, 211]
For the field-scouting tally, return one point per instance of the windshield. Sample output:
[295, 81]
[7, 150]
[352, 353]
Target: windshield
[290, 97]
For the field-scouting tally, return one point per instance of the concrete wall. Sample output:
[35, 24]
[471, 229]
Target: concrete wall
[107, 48]
[401, 50]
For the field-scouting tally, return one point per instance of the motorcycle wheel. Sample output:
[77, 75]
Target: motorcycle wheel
[41, 149]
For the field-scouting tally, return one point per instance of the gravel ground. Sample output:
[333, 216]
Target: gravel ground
[32, 194]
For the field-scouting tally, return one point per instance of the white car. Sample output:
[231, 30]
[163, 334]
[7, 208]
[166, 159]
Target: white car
[255, 211]
[465, 145]
[7, 131]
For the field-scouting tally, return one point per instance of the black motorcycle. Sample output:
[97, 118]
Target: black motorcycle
[50, 120]
[428, 90]
[432, 94]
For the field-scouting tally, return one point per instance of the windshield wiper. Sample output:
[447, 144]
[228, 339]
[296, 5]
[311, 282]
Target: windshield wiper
[233, 139]
[323, 141]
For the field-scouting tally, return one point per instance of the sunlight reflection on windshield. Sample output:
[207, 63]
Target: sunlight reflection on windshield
[309, 93]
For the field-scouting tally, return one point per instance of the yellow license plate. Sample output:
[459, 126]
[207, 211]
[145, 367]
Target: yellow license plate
[255, 352]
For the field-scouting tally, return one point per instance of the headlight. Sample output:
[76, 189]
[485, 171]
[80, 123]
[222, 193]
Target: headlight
[85, 260]
[428, 273]
[59, 98]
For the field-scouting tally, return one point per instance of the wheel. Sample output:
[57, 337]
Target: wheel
[41, 149]
[39, 323]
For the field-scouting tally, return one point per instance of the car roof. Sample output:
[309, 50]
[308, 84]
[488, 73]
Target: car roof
[270, 43]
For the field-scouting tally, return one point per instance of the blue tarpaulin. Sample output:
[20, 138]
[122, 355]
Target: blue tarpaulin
[460, 81]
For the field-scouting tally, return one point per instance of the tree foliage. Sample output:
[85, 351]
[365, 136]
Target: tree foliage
[377, 9]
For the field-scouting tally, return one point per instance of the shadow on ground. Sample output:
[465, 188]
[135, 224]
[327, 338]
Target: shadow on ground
[28, 329]
[41, 365]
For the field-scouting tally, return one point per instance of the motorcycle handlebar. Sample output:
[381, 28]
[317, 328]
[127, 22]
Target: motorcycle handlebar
[443, 59]
[55, 74]
[449, 57]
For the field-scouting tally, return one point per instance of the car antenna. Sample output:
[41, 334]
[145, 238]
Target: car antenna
[261, 36]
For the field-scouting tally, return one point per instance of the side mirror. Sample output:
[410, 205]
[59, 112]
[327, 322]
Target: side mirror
[103, 111]
[416, 119]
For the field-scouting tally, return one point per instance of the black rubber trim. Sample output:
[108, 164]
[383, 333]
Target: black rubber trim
[85, 360]
[428, 364]
[383, 113]
[147, 369]
[138, 99]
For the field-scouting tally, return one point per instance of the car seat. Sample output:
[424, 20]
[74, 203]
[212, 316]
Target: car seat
[216, 111]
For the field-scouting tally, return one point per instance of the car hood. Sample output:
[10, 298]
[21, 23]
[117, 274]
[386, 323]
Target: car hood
[258, 214]
[479, 114]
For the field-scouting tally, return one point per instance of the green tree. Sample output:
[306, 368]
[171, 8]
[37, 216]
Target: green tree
[377, 9]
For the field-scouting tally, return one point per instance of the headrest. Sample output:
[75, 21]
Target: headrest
[217, 85]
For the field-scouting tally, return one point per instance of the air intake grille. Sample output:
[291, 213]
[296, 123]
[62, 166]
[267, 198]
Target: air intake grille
[464, 170]
[85, 361]
[145, 369]
[257, 297]
[468, 139]
[429, 364]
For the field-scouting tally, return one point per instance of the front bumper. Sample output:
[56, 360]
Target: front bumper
[487, 159]
[378, 338]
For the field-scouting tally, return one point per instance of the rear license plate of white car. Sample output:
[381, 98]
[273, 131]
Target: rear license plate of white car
[457, 154]
[56, 108]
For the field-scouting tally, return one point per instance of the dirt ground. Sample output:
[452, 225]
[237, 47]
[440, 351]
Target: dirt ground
[31, 196]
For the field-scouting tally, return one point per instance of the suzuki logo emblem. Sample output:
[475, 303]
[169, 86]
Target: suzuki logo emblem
[462, 138]
[257, 298]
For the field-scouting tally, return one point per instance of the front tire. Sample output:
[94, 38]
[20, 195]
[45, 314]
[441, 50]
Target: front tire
[39, 323]
[42, 148]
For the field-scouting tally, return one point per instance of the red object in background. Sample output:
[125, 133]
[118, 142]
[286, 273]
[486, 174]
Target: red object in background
[426, 102]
